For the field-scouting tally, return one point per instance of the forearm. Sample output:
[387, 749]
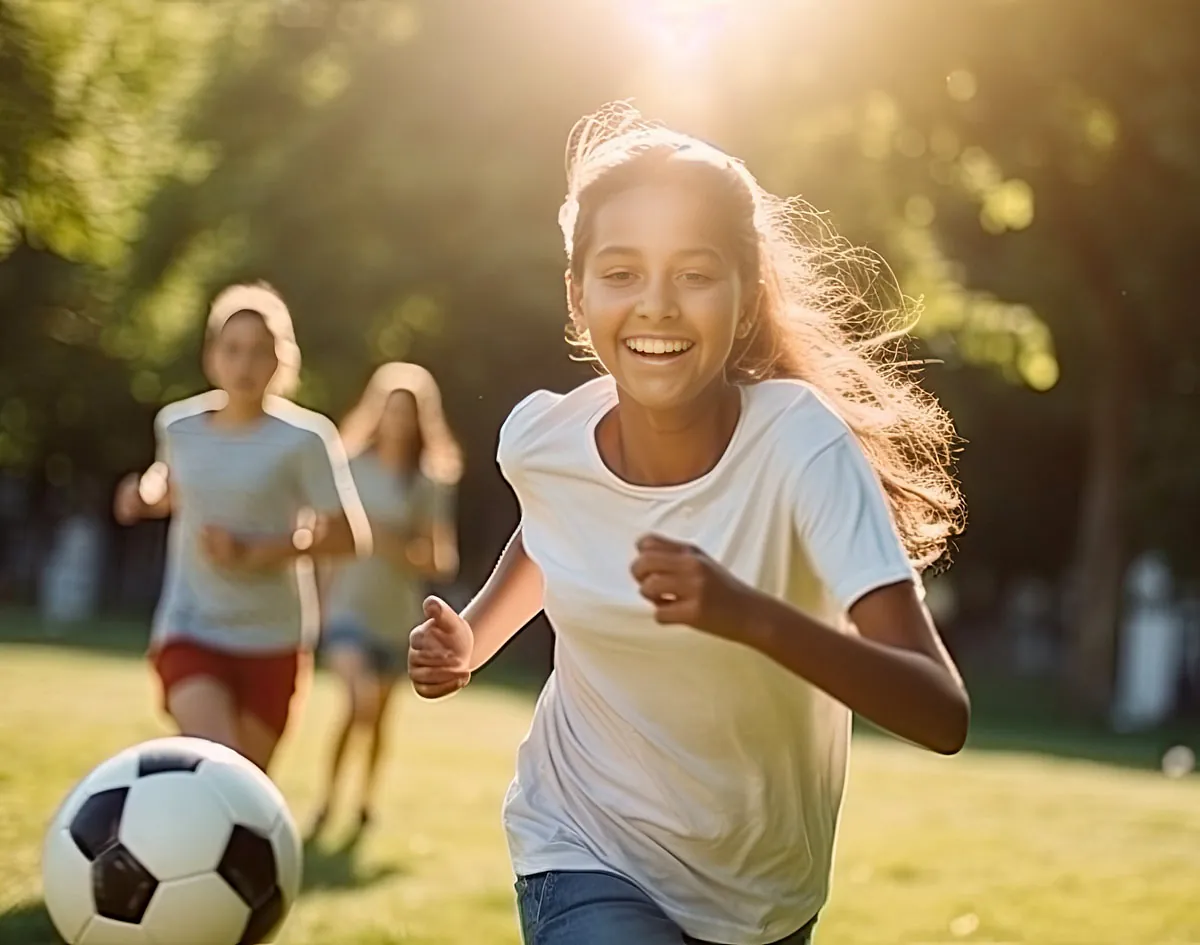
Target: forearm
[423, 554]
[324, 537]
[906, 692]
[510, 598]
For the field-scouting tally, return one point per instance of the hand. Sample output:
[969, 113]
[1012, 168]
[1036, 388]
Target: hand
[439, 651]
[223, 548]
[687, 587]
[128, 504]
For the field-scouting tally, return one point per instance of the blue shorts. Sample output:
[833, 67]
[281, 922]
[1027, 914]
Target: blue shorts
[383, 657]
[586, 908]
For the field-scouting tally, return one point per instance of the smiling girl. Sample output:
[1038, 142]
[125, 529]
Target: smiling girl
[725, 531]
[253, 483]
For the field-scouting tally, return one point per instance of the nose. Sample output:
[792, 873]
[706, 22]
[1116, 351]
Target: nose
[658, 301]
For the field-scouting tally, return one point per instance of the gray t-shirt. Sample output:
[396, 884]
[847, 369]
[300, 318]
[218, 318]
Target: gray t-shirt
[254, 482]
[372, 593]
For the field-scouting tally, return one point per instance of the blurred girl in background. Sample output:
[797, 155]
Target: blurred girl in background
[406, 466]
[253, 484]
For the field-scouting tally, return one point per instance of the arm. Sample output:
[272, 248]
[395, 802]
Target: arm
[322, 536]
[331, 523]
[897, 674]
[432, 555]
[147, 495]
[432, 551]
[895, 671]
[447, 647]
[509, 599]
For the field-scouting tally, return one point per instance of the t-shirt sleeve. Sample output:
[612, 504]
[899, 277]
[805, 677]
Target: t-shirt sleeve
[514, 434]
[162, 436]
[326, 482]
[841, 515]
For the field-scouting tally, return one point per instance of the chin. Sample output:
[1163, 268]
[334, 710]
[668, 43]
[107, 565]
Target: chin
[658, 398]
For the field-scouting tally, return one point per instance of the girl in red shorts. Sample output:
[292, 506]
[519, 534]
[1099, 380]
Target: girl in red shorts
[256, 486]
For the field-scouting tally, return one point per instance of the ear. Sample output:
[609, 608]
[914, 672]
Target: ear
[751, 311]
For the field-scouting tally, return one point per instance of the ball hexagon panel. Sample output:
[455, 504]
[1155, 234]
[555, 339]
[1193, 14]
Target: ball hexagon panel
[69, 897]
[117, 772]
[121, 886]
[206, 902]
[179, 805]
[101, 931]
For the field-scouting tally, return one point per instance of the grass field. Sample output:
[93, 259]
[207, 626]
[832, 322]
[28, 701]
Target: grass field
[992, 846]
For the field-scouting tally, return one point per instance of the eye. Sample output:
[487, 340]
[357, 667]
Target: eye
[697, 278]
[619, 276]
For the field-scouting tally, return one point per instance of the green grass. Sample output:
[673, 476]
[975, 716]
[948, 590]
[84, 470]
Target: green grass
[992, 846]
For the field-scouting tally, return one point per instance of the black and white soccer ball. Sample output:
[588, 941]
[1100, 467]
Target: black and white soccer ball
[177, 841]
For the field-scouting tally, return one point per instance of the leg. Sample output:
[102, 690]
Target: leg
[265, 688]
[348, 663]
[203, 707]
[197, 691]
[802, 936]
[258, 739]
[590, 909]
[377, 740]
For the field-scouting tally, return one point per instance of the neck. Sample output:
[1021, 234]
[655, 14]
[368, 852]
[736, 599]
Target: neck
[665, 448]
[238, 412]
[394, 456]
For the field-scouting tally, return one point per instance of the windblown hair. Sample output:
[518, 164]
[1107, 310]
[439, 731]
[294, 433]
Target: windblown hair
[262, 300]
[439, 457]
[821, 313]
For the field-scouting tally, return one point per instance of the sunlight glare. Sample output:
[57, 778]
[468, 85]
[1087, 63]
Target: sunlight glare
[681, 28]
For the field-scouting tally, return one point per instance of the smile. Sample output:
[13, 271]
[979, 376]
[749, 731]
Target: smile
[658, 346]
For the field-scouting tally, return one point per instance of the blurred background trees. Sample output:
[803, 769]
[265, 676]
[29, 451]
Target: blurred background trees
[1030, 169]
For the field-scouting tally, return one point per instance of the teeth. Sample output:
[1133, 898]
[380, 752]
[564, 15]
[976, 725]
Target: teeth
[657, 345]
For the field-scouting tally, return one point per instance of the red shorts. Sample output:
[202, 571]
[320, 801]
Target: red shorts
[261, 684]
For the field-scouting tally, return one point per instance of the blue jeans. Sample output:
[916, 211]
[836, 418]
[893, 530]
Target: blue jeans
[584, 908]
[384, 658]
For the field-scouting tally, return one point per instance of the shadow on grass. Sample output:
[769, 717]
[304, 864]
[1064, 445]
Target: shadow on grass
[335, 868]
[27, 923]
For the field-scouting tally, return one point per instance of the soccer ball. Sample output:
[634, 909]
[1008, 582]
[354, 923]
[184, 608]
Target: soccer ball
[177, 841]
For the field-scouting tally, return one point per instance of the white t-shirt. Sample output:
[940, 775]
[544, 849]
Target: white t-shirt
[253, 481]
[697, 768]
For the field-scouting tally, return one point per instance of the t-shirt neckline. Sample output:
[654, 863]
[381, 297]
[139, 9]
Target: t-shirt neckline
[610, 402]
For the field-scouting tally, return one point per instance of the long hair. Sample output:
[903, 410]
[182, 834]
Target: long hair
[439, 457]
[261, 299]
[825, 312]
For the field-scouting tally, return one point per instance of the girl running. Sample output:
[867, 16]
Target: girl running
[725, 532]
[406, 466]
[253, 483]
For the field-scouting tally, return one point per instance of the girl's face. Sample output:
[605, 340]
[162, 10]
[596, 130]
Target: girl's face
[398, 423]
[659, 294]
[241, 359]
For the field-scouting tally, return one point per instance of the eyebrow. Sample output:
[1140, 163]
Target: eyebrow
[615, 250]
